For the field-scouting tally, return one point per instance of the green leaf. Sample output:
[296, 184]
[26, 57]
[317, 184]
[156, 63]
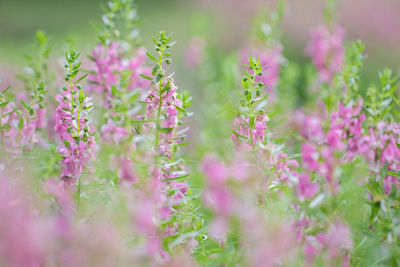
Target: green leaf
[91, 58]
[158, 78]
[73, 74]
[41, 37]
[180, 109]
[24, 104]
[239, 135]
[81, 96]
[251, 122]
[393, 173]
[5, 90]
[82, 77]
[146, 77]
[166, 87]
[21, 124]
[151, 57]
[182, 144]
[114, 90]
[396, 100]
[137, 121]
[175, 178]
[3, 104]
[165, 130]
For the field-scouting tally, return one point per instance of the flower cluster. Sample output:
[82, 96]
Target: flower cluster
[326, 51]
[24, 115]
[111, 66]
[304, 179]
[250, 124]
[77, 141]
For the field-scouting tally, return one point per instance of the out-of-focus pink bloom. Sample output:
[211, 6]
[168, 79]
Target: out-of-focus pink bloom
[194, 51]
[326, 51]
[312, 129]
[21, 242]
[219, 199]
[218, 228]
[216, 171]
[239, 169]
[217, 195]
[334, 140]
[62, 193]
[336, 240]
[306, 188]
[127, 171]
[276, 246]
[113, 133]
[310, 157]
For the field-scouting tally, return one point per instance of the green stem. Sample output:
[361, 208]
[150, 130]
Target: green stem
[78, 194]
[160, 97]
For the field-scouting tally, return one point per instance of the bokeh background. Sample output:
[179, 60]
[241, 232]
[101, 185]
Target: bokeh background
[224, 23]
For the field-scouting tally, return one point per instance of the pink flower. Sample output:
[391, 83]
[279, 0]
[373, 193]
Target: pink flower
[78, 146]
[336, 240]
[306, 189]
[21, 242]
[334, 140]
[112, 133]
[326, 51]
[310, 157]
[243, 130]
[194, 51]
[109, 66]
[216, 171]
[127, 171]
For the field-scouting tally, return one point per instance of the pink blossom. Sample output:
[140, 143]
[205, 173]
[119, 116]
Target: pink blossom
[127, 171]
[326, 51]
[306, 188]
[194, 51]
[21, 242]
[337, 239]
[310, 157]
[77, 144]
[112, 133]
[109, 65]
[216, 171]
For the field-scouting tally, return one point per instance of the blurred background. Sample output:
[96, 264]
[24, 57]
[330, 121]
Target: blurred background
[224, 23]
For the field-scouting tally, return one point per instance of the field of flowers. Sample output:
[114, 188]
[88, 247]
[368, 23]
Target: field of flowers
[103, 161]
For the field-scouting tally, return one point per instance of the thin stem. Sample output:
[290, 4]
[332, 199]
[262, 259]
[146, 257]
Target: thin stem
[160, 97]
[78, 194]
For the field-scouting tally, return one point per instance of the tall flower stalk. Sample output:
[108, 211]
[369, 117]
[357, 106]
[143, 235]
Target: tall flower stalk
[251, 120]
[78, 145]
[25, 112]
[163, 127]
[165, 106]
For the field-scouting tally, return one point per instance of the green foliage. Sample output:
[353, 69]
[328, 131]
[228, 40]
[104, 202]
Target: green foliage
[352, 68]
[379, 100]
[266, 26]
[120, 21]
